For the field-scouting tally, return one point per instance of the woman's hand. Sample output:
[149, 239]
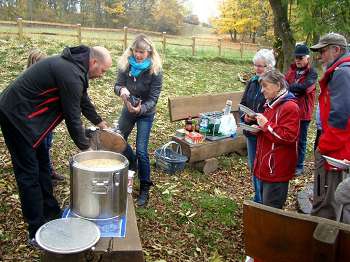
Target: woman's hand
[249, 119]
[261, 119]
[134, 110]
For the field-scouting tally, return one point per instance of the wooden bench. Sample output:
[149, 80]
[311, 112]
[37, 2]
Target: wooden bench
[109, 249]
[203, 155]
[272, 234]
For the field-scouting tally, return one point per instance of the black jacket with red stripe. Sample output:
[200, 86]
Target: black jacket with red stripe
[49, 91]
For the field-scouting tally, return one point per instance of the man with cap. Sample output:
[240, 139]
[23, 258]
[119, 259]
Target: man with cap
[48, 92]
[302, 78]
[334, 103]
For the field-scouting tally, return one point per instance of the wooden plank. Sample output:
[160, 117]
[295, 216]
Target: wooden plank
[210, 149]
[109, 249]
[272, 234]
[182, 107]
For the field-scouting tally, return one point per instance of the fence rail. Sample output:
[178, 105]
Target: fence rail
[193, 42]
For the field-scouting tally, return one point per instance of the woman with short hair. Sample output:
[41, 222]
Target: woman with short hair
[263, 61]
[139, 83]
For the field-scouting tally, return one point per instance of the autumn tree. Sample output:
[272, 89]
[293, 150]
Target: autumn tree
[241, 16]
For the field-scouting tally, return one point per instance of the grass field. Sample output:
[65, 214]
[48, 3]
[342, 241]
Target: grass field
[191, 216]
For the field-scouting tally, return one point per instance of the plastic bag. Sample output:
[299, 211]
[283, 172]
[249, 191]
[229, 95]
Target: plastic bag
[228, 125]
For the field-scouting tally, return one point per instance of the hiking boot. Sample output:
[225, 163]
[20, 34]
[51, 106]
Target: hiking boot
[142, 199]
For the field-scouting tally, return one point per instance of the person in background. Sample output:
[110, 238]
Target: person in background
[263, 61]
[139, 83]
[302, 78]
[35, 56]
[334, 102]
[276, 153]
[46, 93]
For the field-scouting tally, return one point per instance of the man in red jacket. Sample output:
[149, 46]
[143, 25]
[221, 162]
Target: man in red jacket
[334, 101]
[302, 78]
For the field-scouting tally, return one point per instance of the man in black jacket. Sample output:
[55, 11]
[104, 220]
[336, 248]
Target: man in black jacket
[34, 104]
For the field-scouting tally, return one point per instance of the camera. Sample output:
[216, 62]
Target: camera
[134, 101]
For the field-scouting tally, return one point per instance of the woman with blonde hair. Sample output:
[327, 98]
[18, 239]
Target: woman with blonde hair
[139, 84]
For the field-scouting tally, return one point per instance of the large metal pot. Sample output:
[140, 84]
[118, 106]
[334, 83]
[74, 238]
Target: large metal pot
[95, 192]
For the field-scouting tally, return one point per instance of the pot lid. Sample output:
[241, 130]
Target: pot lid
[108, 140]
[67, 235]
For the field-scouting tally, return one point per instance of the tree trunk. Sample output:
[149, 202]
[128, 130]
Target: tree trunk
[283, 31]
[235, 35]
[230, 31]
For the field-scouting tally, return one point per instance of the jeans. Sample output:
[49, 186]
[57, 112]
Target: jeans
[304, 125]
[30, 166]
[251, 148]
[140, 161]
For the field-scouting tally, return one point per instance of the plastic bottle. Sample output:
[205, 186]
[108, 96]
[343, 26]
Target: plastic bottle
[228, 107]
[189, 124]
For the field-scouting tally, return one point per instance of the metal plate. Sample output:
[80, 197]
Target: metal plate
[249, 128]
[336, 162]
[67, 235]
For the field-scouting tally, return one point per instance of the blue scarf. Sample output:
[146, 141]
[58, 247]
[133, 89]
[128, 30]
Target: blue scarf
[137, 68]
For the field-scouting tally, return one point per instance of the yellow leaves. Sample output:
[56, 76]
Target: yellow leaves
[241, 15]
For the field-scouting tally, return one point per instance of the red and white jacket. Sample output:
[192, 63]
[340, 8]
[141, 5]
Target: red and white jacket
[276, 153]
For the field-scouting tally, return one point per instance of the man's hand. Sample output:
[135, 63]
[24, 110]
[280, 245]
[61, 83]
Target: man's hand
[102, 125]
[134, 110]
[249, 119]
[124, 93]
[261, 119]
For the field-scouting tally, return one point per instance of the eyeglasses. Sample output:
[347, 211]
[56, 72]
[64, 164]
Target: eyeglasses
[323, 50]
[260, 66]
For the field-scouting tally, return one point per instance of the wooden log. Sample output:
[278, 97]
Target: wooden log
[193, 45]
[79, 33]
[207, 166]
[20, 28]
[325, 243]
[125, 38]
[220, 45]
[109, 249]
[210, 149]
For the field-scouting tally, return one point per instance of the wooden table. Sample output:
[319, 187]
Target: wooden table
[109, 249]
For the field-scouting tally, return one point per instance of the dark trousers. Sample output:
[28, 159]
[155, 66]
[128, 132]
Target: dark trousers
[274, 194]
[304, 125]
[31, 168]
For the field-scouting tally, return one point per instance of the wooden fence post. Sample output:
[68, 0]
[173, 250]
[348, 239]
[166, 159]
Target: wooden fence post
[241, 49]
[193, 45]
[79, 33]
[125, 38]
[164, 44]
[20, 28]
[220, 40]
